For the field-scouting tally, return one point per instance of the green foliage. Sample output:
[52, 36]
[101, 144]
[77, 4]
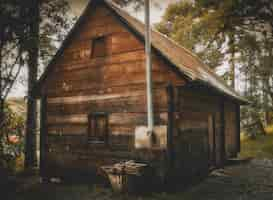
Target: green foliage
[11, 138]
[54, 26]
[191, 27]
[261, 147]
[16, 41]
[234, 32]
[269, 130]
[30, 32]
[12, 35]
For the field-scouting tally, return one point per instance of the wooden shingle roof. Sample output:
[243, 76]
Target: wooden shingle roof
[186, 62]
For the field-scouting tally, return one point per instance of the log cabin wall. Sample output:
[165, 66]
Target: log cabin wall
[111, 82]
[198, 135]
[206, 130]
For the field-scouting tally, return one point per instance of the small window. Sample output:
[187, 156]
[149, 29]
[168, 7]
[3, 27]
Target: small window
[98, 47]
[98, 128]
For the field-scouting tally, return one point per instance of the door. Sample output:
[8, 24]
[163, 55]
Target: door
[212, 140]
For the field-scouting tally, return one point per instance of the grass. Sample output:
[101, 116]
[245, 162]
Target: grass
[269, 129]
[260, 148]
[87, 192]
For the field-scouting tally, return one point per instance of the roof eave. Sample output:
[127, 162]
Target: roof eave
[242, 101]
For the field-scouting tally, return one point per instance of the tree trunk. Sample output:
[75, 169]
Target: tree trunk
[2, 114]
[33, 52]
[267, 73]
[1, 87]
[267, 118]
[261, 127]
[232, 60]
[265, 100]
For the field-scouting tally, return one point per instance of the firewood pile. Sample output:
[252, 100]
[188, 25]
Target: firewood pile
[127, 168]
[128, 176]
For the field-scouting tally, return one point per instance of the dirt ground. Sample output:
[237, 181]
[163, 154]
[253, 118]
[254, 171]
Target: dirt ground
[238, 181]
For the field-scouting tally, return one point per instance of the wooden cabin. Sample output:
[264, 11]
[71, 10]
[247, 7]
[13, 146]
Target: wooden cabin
[93, 102]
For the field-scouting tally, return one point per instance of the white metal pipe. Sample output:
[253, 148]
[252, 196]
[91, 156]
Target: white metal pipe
[150, 114]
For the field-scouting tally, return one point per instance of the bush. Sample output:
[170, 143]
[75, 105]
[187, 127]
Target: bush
[11, 139]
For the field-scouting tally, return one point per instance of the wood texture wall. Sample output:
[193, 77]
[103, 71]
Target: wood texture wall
[191, 134]
[115, 84]
[205, 130]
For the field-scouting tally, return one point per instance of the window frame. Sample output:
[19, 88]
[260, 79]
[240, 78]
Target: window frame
[92, 138]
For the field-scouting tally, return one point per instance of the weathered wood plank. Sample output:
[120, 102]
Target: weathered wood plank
[124, 42]
[95, 89]
[43, 134]
[81, 129]
[222, 143]
[97, 21]
[106, 70]
[134, 93]
[82, 99]
[171, 128]
[101, 80]
[129, 56]
[114, 118]
[116, 130]
[69, 129]
[115, 44]
[230, 129]
[113, 105]
[212, 139]
[238, 128]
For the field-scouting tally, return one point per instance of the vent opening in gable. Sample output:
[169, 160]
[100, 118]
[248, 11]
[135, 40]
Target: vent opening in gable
[99, 47]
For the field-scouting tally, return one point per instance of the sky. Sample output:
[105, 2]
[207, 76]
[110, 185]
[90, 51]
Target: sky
[77, 7]
[156, 12]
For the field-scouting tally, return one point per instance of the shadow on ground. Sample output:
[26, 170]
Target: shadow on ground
[242, 180]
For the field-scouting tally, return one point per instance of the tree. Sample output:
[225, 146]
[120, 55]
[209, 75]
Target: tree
[48, 24]
[191, 27]
[12, 37]
[29, 32]
[230, 31]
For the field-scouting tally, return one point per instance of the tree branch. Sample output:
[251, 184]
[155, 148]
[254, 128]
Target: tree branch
[10, 49]
[10, 76]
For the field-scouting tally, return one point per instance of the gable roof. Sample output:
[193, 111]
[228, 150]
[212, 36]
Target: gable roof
[186, 62]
